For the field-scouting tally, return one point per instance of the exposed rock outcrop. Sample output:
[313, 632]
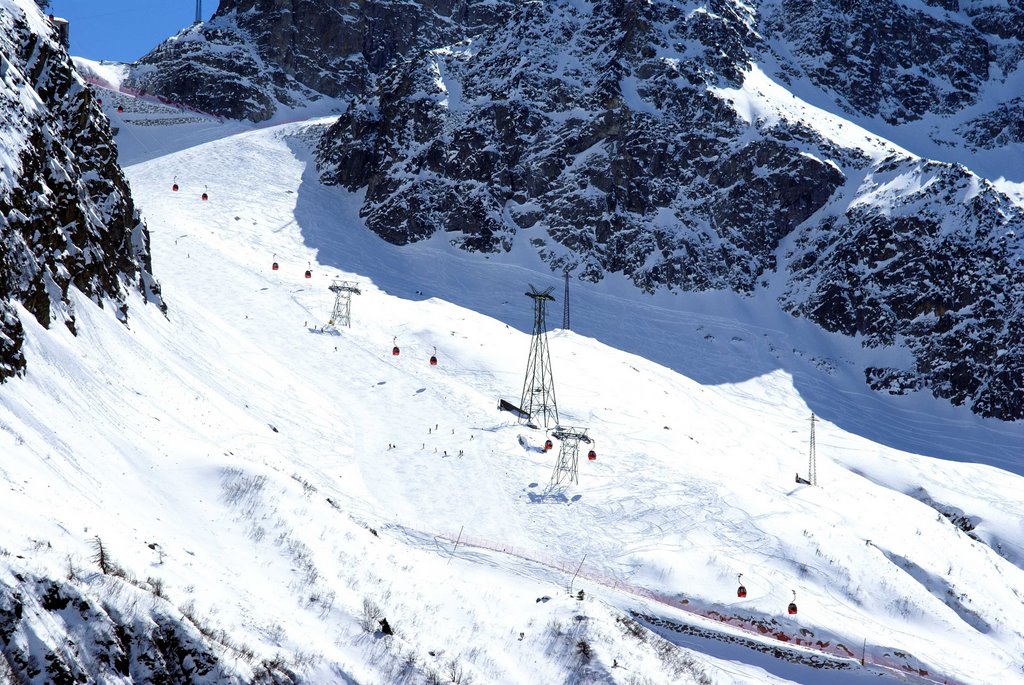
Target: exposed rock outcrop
[255, 56]
[67, 218]
[624, 137]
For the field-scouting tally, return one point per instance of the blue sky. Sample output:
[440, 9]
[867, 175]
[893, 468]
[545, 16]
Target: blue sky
[125, 30]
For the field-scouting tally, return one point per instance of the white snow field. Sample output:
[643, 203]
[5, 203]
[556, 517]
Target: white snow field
[238, 451]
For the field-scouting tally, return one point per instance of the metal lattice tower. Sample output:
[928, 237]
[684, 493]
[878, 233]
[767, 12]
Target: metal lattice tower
[565, 303]
[812, 460]
[567, 465]
[199, 11]
[539, 384]
[342, 314]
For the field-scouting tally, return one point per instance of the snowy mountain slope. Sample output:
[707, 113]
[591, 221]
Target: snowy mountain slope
[661, 150]
[606, 134]
[66, 214]
[249, 476]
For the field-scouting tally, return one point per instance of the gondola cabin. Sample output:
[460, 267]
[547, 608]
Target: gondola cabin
[174, 187]
[741, 592]
[205, 197]
[274, 266]
[309, 274]
[592, 455]
[395, 351]
[120, 109]
[433, 360]
[792, 608]
[547, 445]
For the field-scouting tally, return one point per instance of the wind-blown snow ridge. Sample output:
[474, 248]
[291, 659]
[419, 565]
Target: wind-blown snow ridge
[762, 102]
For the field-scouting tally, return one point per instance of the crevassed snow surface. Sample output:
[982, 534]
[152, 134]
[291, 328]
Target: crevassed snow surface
[258, 447]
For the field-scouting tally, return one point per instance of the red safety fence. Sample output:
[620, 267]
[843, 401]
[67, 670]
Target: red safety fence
[893, 661]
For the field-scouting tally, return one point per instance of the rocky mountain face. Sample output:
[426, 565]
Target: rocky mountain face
[905, 61]
[928, 256]
[255, 56]
[619, 137]
[884, 57]
[66, 213]
[64, 631]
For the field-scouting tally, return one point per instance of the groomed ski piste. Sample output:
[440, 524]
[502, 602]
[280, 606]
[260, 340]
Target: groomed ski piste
[287, 483]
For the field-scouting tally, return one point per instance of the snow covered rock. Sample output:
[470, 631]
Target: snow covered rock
[59, 631]
[895, 59]
[254, 56]
[638, 138]
[67, 218]
[605, 147]
[930, 256]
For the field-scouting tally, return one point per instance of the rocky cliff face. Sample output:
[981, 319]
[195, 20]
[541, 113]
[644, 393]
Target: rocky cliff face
[928, 256]
[937, 69]
[254, 56]
[638, 137]
[66, 214]
[883, 57]
[658, 140]
[618, 150]
[106, 629]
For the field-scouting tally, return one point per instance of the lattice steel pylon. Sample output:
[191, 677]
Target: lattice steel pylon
[812, 459]
[538, 400]
[342, 314]
[565, 303]
[567, 465]
[199, 11]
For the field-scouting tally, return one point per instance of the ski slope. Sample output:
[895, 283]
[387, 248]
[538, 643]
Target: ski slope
[251, 443]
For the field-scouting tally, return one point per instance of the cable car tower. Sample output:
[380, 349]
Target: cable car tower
[538, 402]
[199, 11]
[565, 303]
[812, 461]
[567, 465]
[342, 314]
